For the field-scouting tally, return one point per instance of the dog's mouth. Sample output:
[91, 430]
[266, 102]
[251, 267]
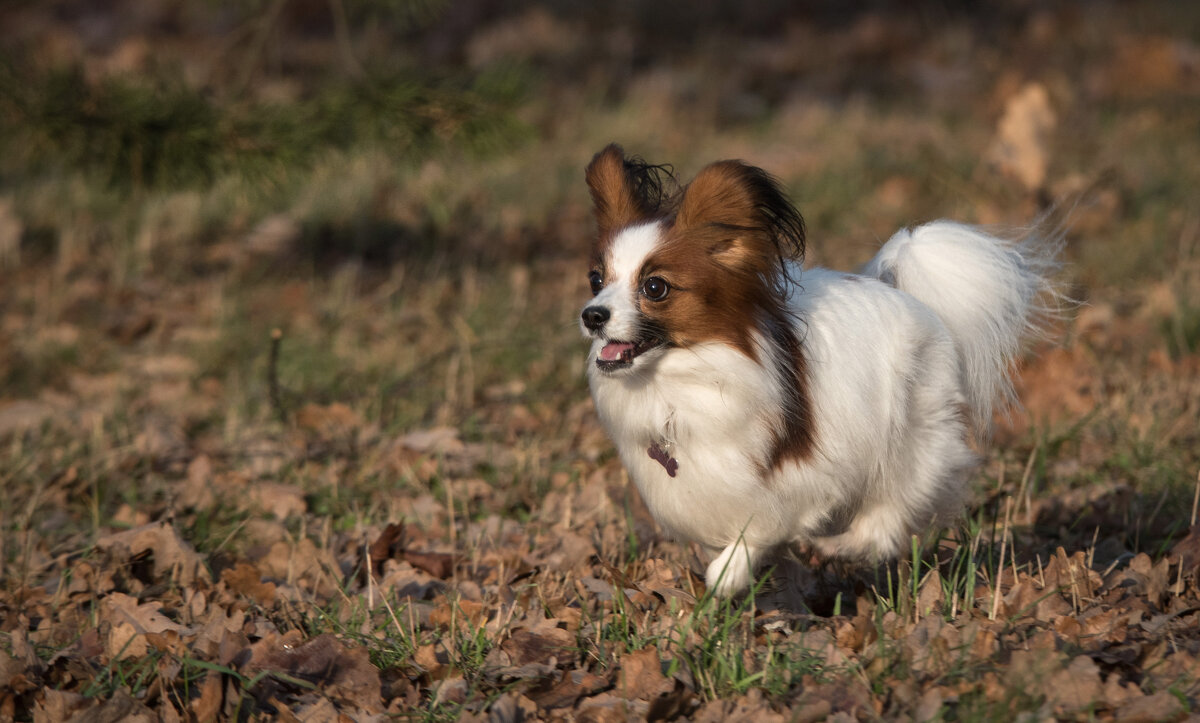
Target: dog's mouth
[620, 354]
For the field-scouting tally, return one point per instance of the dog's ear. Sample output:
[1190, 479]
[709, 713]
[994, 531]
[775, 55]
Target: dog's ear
[613, 191]
[743, 218]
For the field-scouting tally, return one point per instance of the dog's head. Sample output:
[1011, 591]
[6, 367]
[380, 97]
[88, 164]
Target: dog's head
[672, 269]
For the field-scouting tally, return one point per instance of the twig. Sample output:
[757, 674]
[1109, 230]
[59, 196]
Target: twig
[1021, 493]
[1000, 567]
[450, 514]
[266, 23]
[1196, 499]
[370, 578]
[273, 376]
[341, 31]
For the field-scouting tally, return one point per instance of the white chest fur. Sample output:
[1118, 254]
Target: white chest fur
[711, 410]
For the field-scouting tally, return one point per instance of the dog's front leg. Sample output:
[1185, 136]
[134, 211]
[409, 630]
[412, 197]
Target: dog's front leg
[733, 570]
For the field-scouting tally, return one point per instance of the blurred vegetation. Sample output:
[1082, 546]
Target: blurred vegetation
[160, 132]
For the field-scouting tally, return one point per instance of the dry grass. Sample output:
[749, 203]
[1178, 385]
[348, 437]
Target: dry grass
[403, 504]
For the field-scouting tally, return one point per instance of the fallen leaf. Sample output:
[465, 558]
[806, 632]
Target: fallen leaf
[174, 560]
[1076, 687]
[120, 707]
[671, 704]
[23, 415]
[575, 684]
[245, 579]
[438, 564]
[328, 422]
[1021, 147]
[1161, 706]
[341, 672]
[280, 500]
[387, 546]
[439, 440]
[54, 706]
[1187, 550]
[640, 675]
[460, 611]
[552, 646]
[207, 706]
[129, 622]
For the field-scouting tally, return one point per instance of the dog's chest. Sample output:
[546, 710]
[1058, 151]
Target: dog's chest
[693, 443]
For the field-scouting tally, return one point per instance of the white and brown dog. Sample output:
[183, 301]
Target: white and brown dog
[759, 405]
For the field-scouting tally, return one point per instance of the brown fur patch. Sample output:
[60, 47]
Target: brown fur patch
[612, 192]
[625, 191]
[723, 256]
[797, 440]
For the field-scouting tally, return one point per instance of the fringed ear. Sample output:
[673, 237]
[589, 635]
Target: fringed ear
[612, 192]
[742, 216]
[626, 190]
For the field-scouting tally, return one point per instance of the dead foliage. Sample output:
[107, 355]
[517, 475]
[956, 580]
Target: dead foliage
[369, 493]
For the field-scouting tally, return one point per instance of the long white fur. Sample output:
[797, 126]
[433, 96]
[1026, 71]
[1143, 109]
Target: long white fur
[895, 356]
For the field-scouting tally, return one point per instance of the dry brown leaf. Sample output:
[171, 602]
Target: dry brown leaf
[671, 704]
[458, 611]
[1021, 147]
[575, 684]
[438, 440]
[1145, 66]
[1161, 706]
[22, 415]
[1187, 550]
[751, 708]
[207, 706]
[1117, 693]
[54, 706]
[606, 708]
[13, 675]
[280, 500]
[548, 646]
[932, 595]
[328, 422]
[438, 564]
[640, 676]
[1106, 626]
[220, 633]
[1075, 687]
[1058, 385]
[129, 622]
[245, 579]
[341, 672]
[387, 546]
[174, 559]
[433, 660]
[302, 563]
[120, 707]
[512, 707]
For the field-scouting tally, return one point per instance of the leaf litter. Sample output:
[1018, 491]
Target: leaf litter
[171, 554]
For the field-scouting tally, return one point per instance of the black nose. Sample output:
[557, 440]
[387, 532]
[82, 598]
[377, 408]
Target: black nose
[595, 316]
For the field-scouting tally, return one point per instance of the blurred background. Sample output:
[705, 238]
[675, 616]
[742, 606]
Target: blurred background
[396, 187]
[292, 276]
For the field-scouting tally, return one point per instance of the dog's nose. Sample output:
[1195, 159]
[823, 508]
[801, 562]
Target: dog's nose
[595, 316]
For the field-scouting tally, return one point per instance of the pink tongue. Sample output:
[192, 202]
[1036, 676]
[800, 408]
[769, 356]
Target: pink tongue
[615, 350]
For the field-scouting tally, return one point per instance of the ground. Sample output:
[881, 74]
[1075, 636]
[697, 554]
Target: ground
[293, 420]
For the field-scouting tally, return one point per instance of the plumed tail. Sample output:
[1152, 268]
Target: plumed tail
[991, 294]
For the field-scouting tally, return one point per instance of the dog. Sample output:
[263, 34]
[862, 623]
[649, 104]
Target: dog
[760, 406]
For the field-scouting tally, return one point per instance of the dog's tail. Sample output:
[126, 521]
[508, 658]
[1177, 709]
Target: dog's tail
[991, 295]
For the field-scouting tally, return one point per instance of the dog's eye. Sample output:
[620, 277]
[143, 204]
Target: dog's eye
[655, 288]
[597, 282]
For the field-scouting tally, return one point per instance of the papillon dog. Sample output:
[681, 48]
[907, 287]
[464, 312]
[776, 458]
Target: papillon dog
[759, 405]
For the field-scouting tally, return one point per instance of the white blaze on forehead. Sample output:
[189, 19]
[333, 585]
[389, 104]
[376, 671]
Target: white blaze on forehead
[630, 248]
[624, 260]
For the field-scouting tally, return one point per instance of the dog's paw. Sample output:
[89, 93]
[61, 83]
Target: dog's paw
[732, 571]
